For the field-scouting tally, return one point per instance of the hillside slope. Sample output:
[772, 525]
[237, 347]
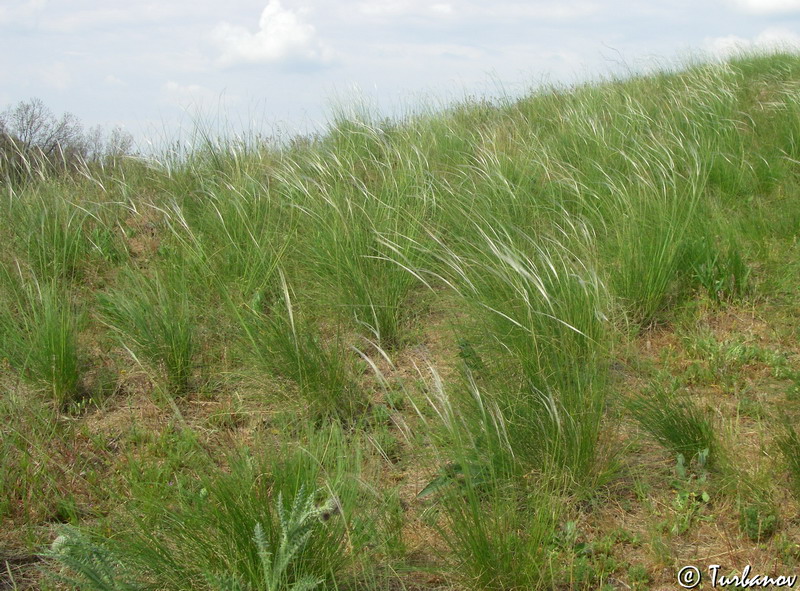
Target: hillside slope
[549, 343]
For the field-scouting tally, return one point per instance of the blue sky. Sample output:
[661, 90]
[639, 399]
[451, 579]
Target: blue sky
[151, 67]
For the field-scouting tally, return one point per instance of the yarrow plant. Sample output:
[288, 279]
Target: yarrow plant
[99, 567]
[296, 528]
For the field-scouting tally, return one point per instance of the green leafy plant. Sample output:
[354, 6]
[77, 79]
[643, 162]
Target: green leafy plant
[638, 577]
[94, 565]
[724, 275]
[759, 516]
[691, 492]
[758, 520]
[258, 524]
[295, 526]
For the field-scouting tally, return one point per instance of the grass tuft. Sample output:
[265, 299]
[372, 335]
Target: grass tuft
[39, 335]
[678, 424]
[153, 320]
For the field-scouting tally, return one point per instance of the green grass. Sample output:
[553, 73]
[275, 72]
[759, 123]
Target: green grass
[789, 445]
[236, 232]
[50, 232]
[152, 319]
[362, 219]
[455, 325]
[543, 317]
[677, 423]
[33, 470]
[502, 539]
[39, 335]
[288, 345]
[278, 520]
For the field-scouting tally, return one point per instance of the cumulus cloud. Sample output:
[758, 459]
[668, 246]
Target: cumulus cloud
[767, 6]
[773, 38]
[282, 36]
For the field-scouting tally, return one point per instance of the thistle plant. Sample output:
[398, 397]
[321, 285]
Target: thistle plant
[296, 527]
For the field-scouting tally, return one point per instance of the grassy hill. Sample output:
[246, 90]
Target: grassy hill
[550, 343]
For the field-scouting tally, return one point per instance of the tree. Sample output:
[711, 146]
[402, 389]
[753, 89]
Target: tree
[35, 143]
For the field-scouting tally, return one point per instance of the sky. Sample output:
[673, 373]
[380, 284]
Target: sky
[156, 68]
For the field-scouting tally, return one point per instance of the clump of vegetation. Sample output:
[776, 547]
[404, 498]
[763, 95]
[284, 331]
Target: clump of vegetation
[789, 445]
[758, 520]
[261, 524]
[39, 334]
[95, 565]
[455, 329]
[678, 424]
[289, 345]
[35, 144]
[152, 318]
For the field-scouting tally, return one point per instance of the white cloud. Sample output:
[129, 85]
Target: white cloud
[430, 51]
[442, 8]
[282, 35]
[56, 75]
[773, 38]
[112, 80]
[496, 11]
[19, 12]
[767, 6]
[186, 94]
